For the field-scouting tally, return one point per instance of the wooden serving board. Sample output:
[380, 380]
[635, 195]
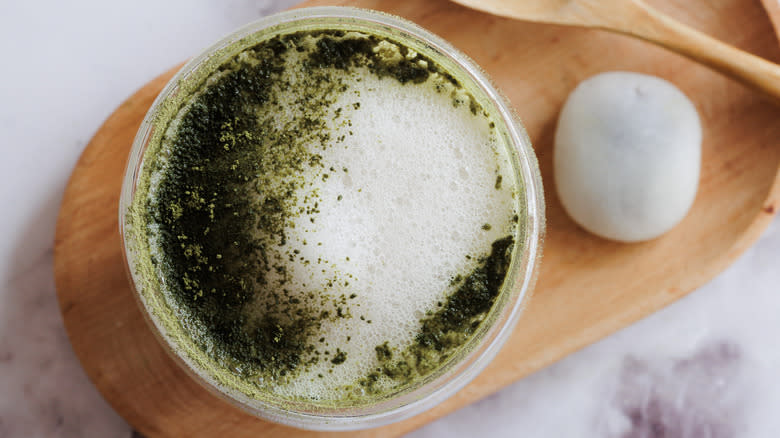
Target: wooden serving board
[588, 287]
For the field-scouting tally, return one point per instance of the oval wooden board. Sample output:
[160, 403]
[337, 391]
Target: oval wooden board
[587, 288]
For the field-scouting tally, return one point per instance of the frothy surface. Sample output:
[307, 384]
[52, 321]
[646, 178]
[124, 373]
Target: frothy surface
[374, 195]
[418, 190]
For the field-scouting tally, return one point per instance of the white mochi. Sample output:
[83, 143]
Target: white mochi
[627, 156]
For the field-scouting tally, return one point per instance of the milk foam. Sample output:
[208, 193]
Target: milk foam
[406, 199]
[410, 185]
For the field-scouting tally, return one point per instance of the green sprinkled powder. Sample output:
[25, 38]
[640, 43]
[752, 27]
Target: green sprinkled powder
[231, 185]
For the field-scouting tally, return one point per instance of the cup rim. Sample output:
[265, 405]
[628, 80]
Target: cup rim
[448, 378]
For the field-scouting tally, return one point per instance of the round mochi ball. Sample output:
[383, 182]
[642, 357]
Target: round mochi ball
[627, 155]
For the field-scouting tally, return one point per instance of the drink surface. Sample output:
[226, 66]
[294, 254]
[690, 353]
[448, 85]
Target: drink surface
[330, 217]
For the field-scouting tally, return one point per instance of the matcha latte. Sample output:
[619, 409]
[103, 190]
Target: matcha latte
[331, 219]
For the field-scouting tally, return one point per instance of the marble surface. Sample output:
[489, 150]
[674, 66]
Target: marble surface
[704, 367]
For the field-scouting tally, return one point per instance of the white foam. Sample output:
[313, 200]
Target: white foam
[398, 224]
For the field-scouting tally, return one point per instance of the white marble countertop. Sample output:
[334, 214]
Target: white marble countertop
[706, 366]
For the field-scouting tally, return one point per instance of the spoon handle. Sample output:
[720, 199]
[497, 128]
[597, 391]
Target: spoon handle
[641, 21]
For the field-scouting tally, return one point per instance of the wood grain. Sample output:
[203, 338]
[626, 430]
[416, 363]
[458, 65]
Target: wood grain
[773, 10]
[638, 19]
[588, 287]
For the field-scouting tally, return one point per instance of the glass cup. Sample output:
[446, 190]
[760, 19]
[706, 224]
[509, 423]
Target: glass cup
[469, 359]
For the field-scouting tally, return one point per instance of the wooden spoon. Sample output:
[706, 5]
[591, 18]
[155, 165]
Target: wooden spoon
[637, 19]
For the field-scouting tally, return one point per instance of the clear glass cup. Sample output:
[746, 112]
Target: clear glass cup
[482, 347]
